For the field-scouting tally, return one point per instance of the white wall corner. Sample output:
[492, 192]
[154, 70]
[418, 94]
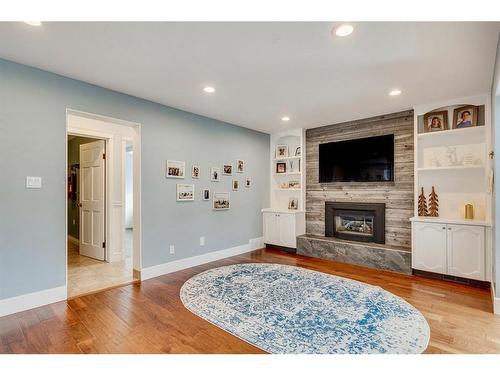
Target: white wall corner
[32, 300]
[181, 264]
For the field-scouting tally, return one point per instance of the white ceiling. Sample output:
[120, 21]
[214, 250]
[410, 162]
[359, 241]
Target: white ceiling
[263, 71]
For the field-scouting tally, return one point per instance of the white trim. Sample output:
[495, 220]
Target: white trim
[181, 264]
[30, 301]
[74, 240]
[495, 300]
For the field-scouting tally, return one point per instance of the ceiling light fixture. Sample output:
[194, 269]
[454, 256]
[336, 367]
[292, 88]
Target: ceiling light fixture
[209, 89]
[285, 118]
[344, 30]
[395, 92]
[33, 23]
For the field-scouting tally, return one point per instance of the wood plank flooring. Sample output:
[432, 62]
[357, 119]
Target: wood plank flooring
[149, 317]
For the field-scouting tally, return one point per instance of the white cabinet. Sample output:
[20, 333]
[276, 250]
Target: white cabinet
[281, 228]
[452, 249]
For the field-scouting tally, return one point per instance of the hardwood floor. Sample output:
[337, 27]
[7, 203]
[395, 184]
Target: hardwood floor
[150, 318]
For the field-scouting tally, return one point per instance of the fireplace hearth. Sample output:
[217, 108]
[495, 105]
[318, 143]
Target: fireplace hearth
[363, 222]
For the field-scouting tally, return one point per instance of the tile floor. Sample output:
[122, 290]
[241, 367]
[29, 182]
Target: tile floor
[88, 275]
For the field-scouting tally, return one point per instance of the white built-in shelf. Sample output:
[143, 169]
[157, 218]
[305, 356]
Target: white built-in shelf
[446, 133]
[451, 168]
[288, 174]
[444, 220]
[288, 158]
[282, 189]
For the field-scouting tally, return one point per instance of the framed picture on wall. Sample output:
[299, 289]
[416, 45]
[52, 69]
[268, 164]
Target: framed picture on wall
[240, 166]
[465, 117]
[281, 151]
[280, 167]
[236, 185]
[248, 182]
[435, 121]
[175, 169]
[195, 171]
[227, 169]
[221, 201]
[185, 192]
[206, 194]
[215, 174]
[293, 204]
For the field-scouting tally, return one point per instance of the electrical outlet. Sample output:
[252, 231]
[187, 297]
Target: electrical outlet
[202, 241]
[172, 249]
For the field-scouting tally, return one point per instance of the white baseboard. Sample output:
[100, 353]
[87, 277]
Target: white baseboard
[30, 301]
[181, 264]
[73, 240]
[496, 300]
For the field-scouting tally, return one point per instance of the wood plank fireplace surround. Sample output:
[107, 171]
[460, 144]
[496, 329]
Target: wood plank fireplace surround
[361, 223]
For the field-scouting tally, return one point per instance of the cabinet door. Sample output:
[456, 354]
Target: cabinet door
[466, 251]
[271, 229]
[429, 253]
[287, 230]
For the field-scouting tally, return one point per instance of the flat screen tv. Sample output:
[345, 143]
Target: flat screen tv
[357, 160]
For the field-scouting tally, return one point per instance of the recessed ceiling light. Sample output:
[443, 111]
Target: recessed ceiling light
[33, 23]
[395, 92]
[285, 118]
[344, 30]
[209, 89]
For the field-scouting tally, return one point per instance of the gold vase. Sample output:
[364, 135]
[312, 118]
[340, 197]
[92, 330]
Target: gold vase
[469, 211]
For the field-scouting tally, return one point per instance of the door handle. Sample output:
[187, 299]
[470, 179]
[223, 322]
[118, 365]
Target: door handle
[79, 205]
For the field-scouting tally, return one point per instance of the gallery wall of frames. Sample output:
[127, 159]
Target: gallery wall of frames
[221, 200]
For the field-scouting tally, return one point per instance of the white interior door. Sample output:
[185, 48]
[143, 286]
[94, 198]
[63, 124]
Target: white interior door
[92, 199]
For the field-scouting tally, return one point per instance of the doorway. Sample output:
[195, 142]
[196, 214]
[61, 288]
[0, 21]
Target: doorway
[103, 246]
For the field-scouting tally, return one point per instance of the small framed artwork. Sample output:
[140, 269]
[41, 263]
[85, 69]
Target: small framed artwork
[465, 117]
[221, 201]
[236, 185]
[185, 192]
[298, 151]
[240, 166]
[435, 121]
[281, 151]
[293, 204]
[206, 194]
[248, 182]
[227, 169]
[215, 174]
[175, 169]
[195, 171]
[280, 167]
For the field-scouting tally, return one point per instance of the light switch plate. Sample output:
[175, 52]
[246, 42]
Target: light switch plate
[33, 182]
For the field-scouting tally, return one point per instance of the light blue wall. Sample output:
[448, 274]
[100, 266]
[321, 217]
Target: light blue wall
[496, 196]
[32, 142]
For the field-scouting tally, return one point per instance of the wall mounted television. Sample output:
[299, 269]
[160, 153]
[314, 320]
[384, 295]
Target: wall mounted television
[357, 160]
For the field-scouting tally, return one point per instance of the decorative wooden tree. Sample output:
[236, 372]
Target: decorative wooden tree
[433, 203]
[422, 204]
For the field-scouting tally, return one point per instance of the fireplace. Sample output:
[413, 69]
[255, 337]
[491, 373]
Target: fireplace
[355, 221]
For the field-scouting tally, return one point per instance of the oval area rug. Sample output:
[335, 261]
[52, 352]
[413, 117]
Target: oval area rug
[286, 309]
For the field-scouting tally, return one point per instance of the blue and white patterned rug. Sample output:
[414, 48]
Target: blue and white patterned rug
[286, 309]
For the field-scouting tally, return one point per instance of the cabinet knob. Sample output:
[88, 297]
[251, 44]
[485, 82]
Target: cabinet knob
[444, 227]
[449, 228]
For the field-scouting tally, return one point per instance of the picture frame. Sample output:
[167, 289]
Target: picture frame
[195, 171]
[435, 121]
[175, 169]
[280, 168]
[236, 185]
[221, 201]
[185, 192]
[298, 151]
[248, 182]
[240, 166]
[227, 169]
[281, 151]
[465, 117]
[293, 203]
[205, 194]
[215, 174]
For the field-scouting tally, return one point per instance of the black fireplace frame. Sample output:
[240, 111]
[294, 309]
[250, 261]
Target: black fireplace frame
[354, 208]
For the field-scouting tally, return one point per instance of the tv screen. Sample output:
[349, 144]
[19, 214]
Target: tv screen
[365, 160]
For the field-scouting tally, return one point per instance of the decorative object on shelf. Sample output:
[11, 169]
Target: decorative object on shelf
[293, 204]
[240, 164]
[248, 182]
[227, 169]
[281, 151]
[422, 204]
[469, 211]
[298, 151]
[215, 174]
[468, 159]
[435, 121]
[491, 178]
[433, 203]
[465, 117]
[195, 171]
[221, 201]
[451, 155]
[294, 184]
[185, 192]
[284, 185]
[280, 167]
[236, 185]
[175, 169]
[206, 194]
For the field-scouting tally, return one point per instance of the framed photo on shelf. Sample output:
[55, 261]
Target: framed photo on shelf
[221, 201]
[175, 169]
[185, 192]
[240, 166]
[236, 185]
[435, 121]
[206, 194]
[281, 151]
[195, 171]
[215, 174]
[280, 167]
[248, 182]
[465, 117]
[227, 169]
[293, 203]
